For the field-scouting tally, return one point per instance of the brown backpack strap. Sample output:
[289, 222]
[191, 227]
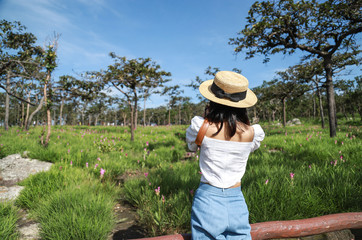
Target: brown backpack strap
[202, 132]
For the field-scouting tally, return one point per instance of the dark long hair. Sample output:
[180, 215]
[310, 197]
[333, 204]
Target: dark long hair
[217, 113]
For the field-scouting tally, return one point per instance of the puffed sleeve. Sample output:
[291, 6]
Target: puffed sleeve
[258, 136]
[191, 132]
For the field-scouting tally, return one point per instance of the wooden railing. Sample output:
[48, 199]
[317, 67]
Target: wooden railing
[293, 228]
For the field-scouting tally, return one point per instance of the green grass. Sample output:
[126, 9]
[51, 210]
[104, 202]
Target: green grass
[73, 201]
[83, 212]
[8, 218]
[69, 203]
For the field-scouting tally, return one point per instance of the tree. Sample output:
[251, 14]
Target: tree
[349, 96]
[311, 72]
[17, 56]
[49, 64]
[131, 77]
[85, 90]
[288, 88]
[175, 98]
[320, 29]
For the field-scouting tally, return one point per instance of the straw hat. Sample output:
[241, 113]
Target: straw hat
[230, 89]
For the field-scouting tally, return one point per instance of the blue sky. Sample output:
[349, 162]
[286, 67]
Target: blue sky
[184, 37]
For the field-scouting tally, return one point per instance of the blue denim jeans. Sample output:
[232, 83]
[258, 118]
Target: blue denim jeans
[219, 213]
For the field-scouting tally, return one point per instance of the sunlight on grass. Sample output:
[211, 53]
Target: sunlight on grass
[298, 172]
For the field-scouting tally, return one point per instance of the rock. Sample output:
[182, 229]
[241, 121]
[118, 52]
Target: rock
[30, 231]
[14, 169]
[9, 193]
[296, 121]
[27, 227]
[293, 122]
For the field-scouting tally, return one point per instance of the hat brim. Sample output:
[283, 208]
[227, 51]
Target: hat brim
[205, 90]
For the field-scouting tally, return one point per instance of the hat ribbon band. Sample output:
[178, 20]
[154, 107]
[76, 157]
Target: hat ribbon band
[234, 97]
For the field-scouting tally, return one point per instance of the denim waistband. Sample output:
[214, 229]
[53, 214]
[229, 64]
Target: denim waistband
[220, 191]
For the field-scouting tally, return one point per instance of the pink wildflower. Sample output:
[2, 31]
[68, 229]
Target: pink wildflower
[146, 174]
[99, 159]
[291, 175]
[157, 190]
[310, 166]
[95, 166]
[163, 199]
[86, 164]
[266, 182]
[335, 141]
[147, 143]
[102, 172]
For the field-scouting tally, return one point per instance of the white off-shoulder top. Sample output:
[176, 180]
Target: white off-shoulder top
[222, 163]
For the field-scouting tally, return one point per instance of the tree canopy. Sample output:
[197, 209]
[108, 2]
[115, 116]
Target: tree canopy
[319, 29]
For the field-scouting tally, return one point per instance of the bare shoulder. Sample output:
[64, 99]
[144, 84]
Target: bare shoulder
[246, 133]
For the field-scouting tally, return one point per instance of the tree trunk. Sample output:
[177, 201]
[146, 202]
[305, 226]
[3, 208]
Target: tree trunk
[61, 112]
[124, 116]
[135, 110]
[144, 111]
[343, 110]
[49, 118]
[273, 115]
[7, 102]
[284, 112]
[27, 111]
[82, 117]
[319, 94]
[54, 117]
[169, 116]
[132, 121]
[314, 106]
[18, 114]
[96, 120]
[22, 115]
[330, 97]
[179, 114]
[33, 113]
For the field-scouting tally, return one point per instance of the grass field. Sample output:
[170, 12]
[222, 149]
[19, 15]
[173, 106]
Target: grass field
[298, 172]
